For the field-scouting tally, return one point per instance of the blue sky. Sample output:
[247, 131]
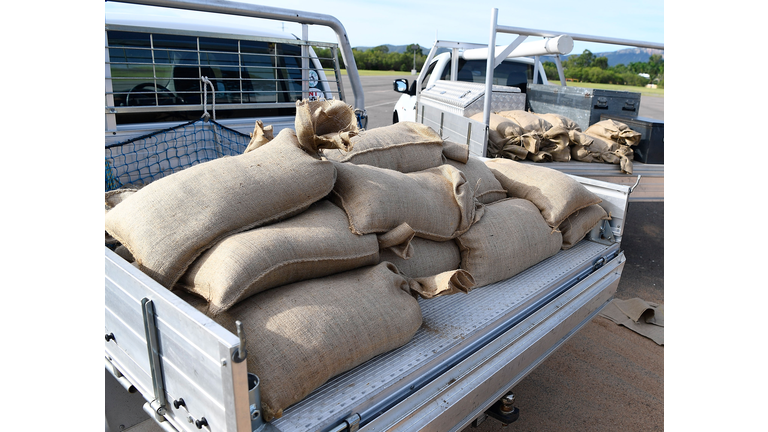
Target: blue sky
[398, 22]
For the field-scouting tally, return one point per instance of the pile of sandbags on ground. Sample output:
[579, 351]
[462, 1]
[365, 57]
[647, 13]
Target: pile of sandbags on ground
[326, 234]
[522, 135]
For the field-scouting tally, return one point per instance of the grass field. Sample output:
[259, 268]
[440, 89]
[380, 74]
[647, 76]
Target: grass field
[372, 72]
[642, 90]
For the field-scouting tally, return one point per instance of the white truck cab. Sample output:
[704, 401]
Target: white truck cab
[513, 72]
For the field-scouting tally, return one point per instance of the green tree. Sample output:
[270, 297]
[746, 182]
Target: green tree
[600, 62]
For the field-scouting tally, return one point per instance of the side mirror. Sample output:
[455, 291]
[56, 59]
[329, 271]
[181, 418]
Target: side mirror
[400, 85]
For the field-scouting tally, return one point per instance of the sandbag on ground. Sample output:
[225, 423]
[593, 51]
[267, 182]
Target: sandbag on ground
[312, 244]
[486, 187]
[438, 203]
[576, 227]
[555, 194]
[404, 146]
[169, 222]
[510, 237]
[301, 335]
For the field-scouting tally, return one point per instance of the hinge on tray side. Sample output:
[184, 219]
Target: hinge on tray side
[603, 233]
[153, 348]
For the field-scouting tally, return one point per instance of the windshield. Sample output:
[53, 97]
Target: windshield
[508, 73]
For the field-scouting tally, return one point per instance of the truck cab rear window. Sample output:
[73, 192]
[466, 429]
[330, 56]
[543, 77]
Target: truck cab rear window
[165, 70]
[508, 73]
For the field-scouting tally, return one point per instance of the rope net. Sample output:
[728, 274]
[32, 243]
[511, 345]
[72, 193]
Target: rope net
[142, 160]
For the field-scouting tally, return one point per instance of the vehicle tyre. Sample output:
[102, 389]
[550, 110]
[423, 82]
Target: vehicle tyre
[395, 117]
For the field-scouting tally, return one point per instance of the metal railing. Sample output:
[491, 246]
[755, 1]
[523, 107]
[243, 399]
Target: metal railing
[235, 91]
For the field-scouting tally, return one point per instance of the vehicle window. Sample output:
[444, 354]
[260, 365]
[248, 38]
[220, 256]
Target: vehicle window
[428, 74]
[153, 69]
[508, 73]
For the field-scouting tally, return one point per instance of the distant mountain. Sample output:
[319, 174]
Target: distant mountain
[625, 56]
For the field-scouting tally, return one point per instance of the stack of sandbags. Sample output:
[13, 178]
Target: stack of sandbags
[539, 137]
[170, 222]
[310, 252]
[564, 203]
[614, 141]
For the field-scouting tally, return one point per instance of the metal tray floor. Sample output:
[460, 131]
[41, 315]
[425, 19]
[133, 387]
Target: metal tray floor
[448, 323]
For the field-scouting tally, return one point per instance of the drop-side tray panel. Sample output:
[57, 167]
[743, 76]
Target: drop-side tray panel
[195, 352]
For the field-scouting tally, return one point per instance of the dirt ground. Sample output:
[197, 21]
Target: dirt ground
[606, 377]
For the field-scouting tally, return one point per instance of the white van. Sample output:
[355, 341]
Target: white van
[160, 70]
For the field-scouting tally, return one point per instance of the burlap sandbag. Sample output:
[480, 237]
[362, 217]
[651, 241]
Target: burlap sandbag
[312, 244]
[171, 221]
[510, 237]
[111, 199]
[301, 335]
[555, 194]
[554, 139]
[455, 151]
[261, 135]
[621, 136]
[614, 131]
[486, 188]
[404, 146]
[325, 124]
[576, 227]
[428, 258]
[605, 151]
[507, 139]
[438, 203]
[443, 284]
[560, 120]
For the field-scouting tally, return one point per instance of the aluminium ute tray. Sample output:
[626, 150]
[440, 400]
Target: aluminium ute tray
[451, 324]
[466, 99]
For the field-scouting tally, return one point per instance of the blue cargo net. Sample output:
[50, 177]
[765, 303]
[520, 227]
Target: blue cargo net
[141, 160]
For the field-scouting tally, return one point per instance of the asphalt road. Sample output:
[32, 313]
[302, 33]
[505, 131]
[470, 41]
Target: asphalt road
[606, 377]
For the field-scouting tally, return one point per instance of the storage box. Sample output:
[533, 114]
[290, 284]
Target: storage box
[582, 105]
[650, 149]
[467, 99]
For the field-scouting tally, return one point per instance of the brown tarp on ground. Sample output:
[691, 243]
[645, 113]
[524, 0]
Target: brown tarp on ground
[644, 318]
